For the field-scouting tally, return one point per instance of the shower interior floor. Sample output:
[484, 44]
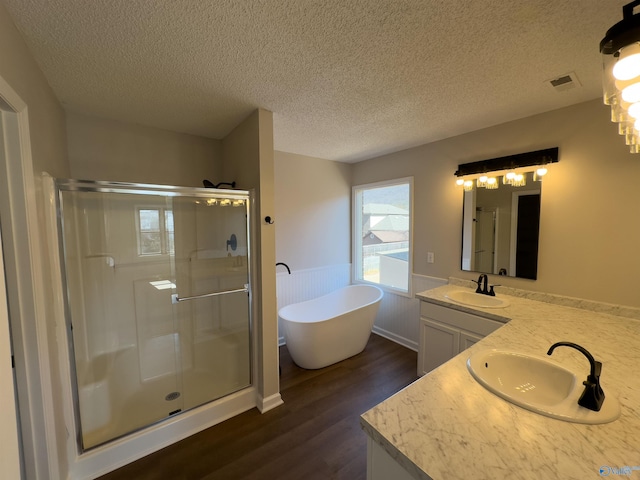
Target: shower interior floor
[316, 434]
[147, 402]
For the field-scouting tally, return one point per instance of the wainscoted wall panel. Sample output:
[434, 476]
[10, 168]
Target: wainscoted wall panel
[303, 285]
[397, 318]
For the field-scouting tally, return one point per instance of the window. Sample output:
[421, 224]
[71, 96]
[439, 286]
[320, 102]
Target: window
[382, 247]
[155, 231]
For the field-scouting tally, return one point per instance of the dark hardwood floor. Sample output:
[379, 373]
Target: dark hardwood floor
[316, 434]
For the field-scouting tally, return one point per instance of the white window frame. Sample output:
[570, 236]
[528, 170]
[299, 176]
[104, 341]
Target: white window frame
[356, 243]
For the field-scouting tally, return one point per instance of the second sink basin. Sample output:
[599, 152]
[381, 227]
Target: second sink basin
[472, 299]
[537, 384]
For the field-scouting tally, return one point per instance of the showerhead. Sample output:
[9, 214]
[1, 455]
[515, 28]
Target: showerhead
[208, 184]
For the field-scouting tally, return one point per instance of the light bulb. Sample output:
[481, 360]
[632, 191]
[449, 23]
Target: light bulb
[492, 183]
[631, 93]
[460, 182]
[482, 181]
[539, 173]
[468, 185]
[519, 180]
[628, 65]
[508, 178]
[634, 110]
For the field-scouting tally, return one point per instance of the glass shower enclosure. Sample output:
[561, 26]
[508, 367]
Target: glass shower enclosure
[157, 300]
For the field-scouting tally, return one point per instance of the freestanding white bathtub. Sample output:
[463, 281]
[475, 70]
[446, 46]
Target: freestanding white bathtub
[331, 328]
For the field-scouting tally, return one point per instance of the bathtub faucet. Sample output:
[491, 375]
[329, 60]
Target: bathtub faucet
[285, 266]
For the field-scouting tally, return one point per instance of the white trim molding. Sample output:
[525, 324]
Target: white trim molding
[27, 294]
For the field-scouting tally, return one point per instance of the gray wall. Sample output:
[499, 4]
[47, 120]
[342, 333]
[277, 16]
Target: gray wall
[46, 116]
[101, 149]
[249, 160]
[313, 216]
[589, 232]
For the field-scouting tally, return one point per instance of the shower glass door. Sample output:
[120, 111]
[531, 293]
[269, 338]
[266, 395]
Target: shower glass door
[157, 282]
[211, 271]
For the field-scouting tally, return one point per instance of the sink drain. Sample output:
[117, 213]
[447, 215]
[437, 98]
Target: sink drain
[172, 396]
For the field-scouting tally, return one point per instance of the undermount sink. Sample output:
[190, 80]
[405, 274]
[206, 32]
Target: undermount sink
[472, 299]
[537, 384]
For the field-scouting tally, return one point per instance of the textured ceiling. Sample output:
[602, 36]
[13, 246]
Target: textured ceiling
[345, 79]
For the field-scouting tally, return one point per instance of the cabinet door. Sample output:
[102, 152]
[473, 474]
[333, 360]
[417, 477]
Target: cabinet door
[439, 343]
[381, 466]
[467, 339]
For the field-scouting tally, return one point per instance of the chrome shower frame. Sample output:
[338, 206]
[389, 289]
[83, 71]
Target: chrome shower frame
[71, 185]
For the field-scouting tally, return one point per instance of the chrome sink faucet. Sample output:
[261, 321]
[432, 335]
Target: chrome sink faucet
[593, 395]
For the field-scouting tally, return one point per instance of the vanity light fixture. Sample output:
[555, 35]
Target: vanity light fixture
[507, 178]
[520, 180]
[513, 169]
[539, 173]
[485, 181]
[620, 49]
[492, 183]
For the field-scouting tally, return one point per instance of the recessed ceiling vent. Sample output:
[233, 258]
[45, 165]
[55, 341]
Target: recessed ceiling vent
[565, 82]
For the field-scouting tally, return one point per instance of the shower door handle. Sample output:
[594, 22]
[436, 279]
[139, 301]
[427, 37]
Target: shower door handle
[176, 299]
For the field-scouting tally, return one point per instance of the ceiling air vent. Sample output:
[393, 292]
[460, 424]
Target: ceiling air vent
[564, 82]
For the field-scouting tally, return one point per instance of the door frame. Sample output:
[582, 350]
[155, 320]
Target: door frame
[10, 454]
[26, 287]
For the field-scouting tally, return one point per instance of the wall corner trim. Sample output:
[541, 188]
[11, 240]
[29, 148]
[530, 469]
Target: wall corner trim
[269, 403]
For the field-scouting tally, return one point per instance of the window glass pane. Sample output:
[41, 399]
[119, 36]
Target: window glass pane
[383, 248]
[149, 220]
[170, 246]
[150, 243]
[168, 220]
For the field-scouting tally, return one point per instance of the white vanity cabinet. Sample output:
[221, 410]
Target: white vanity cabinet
[445, 332]
[381, 466]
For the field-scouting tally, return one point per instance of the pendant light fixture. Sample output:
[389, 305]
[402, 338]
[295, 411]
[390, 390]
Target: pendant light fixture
[620, 49]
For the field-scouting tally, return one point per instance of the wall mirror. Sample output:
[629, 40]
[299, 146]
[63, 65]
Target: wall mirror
[500, 225]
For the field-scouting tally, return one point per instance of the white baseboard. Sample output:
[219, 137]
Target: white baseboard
[405, 342]
[269, 403]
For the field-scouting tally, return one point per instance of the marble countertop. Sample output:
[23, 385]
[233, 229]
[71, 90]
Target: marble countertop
[446, 426]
